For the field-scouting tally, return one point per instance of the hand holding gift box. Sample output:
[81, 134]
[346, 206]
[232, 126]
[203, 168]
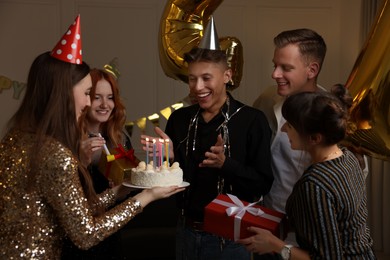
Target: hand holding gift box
[229, 217]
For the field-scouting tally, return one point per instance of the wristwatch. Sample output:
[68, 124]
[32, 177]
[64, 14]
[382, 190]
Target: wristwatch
[286, 252]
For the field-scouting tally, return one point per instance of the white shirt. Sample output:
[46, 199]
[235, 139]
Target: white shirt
[287, 165]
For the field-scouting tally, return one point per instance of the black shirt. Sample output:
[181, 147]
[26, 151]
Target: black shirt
[246, 173]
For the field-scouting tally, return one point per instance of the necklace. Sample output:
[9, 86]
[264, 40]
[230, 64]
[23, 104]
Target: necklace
[332, 154]
[194, 125]
[223, 128]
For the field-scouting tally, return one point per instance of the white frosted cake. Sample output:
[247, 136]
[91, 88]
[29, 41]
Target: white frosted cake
[146, 176]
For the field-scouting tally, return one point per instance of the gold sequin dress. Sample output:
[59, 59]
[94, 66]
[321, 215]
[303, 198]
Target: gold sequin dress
[36, 216]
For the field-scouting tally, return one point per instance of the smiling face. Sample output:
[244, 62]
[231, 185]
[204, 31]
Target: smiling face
[207, 82]
[102, 103]
[292, 72]
[81, 95]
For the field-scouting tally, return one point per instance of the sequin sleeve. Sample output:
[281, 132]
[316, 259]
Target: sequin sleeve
[61, 188]
[107, 198]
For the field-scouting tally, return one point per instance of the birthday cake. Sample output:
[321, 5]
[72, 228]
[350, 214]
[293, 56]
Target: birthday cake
[146, 175]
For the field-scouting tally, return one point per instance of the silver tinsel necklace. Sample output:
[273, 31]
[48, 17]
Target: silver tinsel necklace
[225, 130]
[194, 124]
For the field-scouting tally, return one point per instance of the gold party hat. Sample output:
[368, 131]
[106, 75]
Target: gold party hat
[112, 68]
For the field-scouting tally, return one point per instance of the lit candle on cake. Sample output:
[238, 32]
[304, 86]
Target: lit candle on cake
[154, 153]
[161, 151]
[147, 150]
[167, 151]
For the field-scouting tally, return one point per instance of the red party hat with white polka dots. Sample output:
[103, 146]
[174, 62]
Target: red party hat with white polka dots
[68, 49]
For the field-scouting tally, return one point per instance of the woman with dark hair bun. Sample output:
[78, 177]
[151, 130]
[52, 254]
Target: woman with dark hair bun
[327, 207]
[319, 113]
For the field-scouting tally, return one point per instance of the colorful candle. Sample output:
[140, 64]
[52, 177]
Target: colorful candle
[161, 152]
[167, 151]
[154, 153]
[147, 150]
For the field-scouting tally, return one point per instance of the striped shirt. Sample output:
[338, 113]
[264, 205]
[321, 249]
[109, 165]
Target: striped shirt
[327, 208]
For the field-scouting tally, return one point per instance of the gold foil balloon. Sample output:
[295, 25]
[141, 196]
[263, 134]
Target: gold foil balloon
[6, 83]
[181, 29]
[369, 85]
[234, 52]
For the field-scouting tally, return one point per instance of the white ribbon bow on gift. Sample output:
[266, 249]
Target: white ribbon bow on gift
[239, 211]
[240, 208]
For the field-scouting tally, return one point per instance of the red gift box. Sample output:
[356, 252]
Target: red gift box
[229, 217]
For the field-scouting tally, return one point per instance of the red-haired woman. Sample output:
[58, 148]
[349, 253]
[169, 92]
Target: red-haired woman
[104, 123]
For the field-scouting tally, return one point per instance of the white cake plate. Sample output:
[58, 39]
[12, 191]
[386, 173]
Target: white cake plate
[127, 184]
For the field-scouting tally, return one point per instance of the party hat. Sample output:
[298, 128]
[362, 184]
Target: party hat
[112, 68]
[210, 37]
[68, 49]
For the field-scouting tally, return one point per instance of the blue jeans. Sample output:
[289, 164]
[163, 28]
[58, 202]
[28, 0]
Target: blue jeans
[199, 245]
